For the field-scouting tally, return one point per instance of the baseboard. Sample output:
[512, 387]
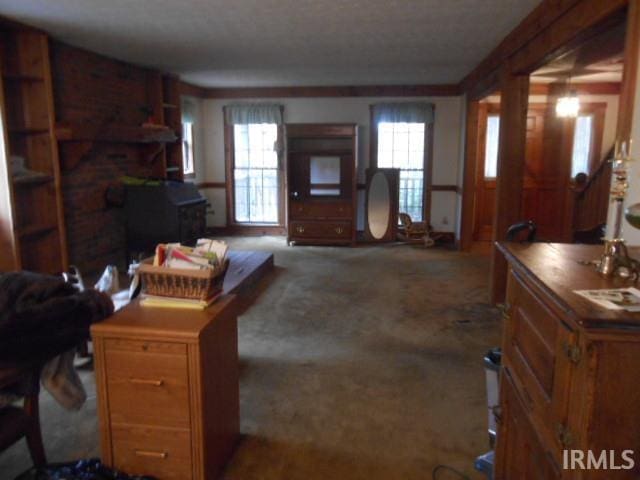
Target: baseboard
[249, 231]
[443, 238]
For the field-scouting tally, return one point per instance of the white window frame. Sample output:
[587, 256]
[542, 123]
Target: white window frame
[235, 169]
[587, 152]
[491, 145]
[405, 170]
[188, 149]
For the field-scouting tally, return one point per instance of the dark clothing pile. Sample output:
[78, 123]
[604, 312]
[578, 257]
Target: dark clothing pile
[41, 316]
[81, 470]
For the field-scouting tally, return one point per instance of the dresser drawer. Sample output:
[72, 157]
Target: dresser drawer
[328, 230]
[535, 353]
[162, 453]
[310, 210]
[147, 383]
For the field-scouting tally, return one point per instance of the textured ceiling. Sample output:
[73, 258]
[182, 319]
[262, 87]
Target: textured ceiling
[237, 43]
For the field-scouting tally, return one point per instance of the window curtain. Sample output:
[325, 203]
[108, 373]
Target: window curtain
[253, 113]
[414, 112]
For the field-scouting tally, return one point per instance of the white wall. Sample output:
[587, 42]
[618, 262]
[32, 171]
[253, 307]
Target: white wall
[210, 161]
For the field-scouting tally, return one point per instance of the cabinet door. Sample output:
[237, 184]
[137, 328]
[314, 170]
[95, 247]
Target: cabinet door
[520, 454]
[537, 352]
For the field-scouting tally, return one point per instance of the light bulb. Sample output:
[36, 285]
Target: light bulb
[568, 106]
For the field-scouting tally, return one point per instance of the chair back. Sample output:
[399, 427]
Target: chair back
[514, 231]
[405, 220]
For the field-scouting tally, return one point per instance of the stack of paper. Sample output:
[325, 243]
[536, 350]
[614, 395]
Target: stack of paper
[207, 254]
[614, 298]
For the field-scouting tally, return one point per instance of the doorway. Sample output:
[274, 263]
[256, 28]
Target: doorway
[566, 176]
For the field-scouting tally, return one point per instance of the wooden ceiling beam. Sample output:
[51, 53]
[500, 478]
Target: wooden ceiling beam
[552, 25]
[599, 88]
[445, 90]
[585, 20]
[539, 19]
[191, 90]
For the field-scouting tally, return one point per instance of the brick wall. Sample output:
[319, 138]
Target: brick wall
[89, 88]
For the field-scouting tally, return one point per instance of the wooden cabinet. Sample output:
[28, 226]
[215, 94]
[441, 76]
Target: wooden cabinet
[168, 393]
[568, 381]
[321, 183]
[32, 228]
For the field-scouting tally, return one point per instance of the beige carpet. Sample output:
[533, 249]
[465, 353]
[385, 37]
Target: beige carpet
[356, 363]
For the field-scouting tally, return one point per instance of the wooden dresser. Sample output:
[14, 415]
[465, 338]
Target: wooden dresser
[571, 368]
[321, 183]
[168, 391]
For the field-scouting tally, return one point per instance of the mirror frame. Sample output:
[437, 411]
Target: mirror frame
[392, 176]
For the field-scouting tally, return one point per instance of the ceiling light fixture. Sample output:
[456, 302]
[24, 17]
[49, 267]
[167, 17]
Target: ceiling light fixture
[569, 105]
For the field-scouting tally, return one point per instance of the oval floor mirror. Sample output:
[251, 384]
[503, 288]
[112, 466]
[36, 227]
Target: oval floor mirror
[381, 211]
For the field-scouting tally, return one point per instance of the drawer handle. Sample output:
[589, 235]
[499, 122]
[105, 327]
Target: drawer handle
[505, 310]
[142, 381]
[300, 229]
[152, 454]
[339, 230]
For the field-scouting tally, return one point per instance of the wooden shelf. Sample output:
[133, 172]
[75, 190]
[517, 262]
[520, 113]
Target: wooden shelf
[17, 77]
[114, 134]
[34, 235]
[32, 180]
[36, 230]
[321, 151]
[28, 131]
[173, 169]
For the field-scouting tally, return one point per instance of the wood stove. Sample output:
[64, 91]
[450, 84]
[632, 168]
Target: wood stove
[168, 212]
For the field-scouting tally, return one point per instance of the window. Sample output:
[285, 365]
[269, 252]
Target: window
[401, 145]
[187, 148]
[581, 153]
[491, 147]
[255, 173]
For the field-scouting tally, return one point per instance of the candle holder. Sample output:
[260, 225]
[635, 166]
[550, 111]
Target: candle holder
[615, 260]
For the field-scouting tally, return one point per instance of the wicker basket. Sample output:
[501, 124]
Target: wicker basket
[181, 283]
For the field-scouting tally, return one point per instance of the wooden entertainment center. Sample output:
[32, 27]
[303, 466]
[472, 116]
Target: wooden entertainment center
[321, 183]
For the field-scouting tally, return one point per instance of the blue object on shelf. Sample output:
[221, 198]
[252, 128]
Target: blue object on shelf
[484, 464]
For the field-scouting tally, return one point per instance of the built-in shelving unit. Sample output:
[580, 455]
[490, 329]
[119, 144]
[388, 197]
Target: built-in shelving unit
[32, 228]
[172, 118]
